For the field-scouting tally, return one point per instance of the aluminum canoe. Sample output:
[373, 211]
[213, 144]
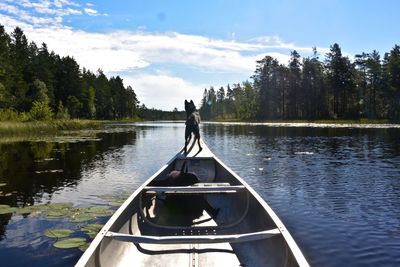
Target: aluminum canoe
[219, 221]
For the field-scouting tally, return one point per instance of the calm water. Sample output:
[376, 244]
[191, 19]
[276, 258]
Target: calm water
[336, 190]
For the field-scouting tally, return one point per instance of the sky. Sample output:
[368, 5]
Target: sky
[171, 50]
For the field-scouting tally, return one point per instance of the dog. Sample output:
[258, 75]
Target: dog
[192, 124]
[187, 207]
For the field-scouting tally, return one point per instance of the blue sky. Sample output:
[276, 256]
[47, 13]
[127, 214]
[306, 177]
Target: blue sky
[169, 51]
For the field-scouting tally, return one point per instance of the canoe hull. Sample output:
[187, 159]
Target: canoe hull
[186, 227]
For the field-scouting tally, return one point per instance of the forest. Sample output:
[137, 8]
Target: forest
[367, 87]
[36, 84]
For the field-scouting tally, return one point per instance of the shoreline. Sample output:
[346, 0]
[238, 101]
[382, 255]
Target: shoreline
[310, 124]
[54, 126]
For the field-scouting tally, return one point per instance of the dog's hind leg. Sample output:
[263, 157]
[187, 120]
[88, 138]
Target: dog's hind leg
[187, 140]
[198, 142]
[197, 136]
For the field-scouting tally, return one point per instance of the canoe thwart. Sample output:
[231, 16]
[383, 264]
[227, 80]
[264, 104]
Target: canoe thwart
[193, 239]
[200, 188]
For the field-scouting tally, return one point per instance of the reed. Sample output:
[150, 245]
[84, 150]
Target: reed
[52, 126]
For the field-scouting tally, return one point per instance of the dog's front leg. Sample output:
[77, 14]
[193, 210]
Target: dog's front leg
[188, 136]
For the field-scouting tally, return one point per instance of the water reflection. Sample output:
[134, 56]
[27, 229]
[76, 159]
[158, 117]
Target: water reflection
[32, 170]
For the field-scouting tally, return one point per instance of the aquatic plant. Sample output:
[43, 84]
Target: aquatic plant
[5, 209]
[91, 229]
[58, 233]
[75, 242]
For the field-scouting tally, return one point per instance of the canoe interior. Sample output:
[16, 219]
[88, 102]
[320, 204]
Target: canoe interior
[215, 213]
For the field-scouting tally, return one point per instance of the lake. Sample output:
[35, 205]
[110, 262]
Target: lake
[337, 189]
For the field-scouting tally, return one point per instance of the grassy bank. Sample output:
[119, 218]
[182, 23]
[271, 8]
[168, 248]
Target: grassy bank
[39, 127]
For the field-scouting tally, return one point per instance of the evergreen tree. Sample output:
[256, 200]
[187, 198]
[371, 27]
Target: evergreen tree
[104, 97]
[341, 82]
[221, 102]
[314, 91]
[19, 55]
[295, 96]
[392, 68]
[5, 69]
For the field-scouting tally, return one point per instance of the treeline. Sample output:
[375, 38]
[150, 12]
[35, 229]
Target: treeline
[36, 84]
[308, 88]
[157, 114]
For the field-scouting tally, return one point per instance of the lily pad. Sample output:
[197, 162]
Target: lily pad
[27, 210]
[2, 206]
[58, 233]
[91, 234]
[6, 210]
[98, 209]
[75, 242]
[60, 206]
[108, 197]
[35, 213]
[57, 214]
[105, 213]
[92, 229]
[84, 247]
[82, 217]
[42, 207]
[117, 203]
[2, 184]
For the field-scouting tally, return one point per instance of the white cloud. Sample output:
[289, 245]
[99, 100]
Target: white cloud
[276, 42]
[127, 50]
[91, 12]
[163, 91]
[43, 12]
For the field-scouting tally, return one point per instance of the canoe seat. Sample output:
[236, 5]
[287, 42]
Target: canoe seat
[199, 188]
[193, 239]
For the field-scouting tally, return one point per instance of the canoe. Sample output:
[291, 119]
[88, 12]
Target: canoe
[194, 211]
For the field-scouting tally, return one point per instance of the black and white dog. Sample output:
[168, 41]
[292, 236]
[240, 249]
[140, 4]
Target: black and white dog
[191, 206]
[192, 124]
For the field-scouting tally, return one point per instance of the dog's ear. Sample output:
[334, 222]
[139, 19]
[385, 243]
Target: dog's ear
[191, 102]
[186, 102]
